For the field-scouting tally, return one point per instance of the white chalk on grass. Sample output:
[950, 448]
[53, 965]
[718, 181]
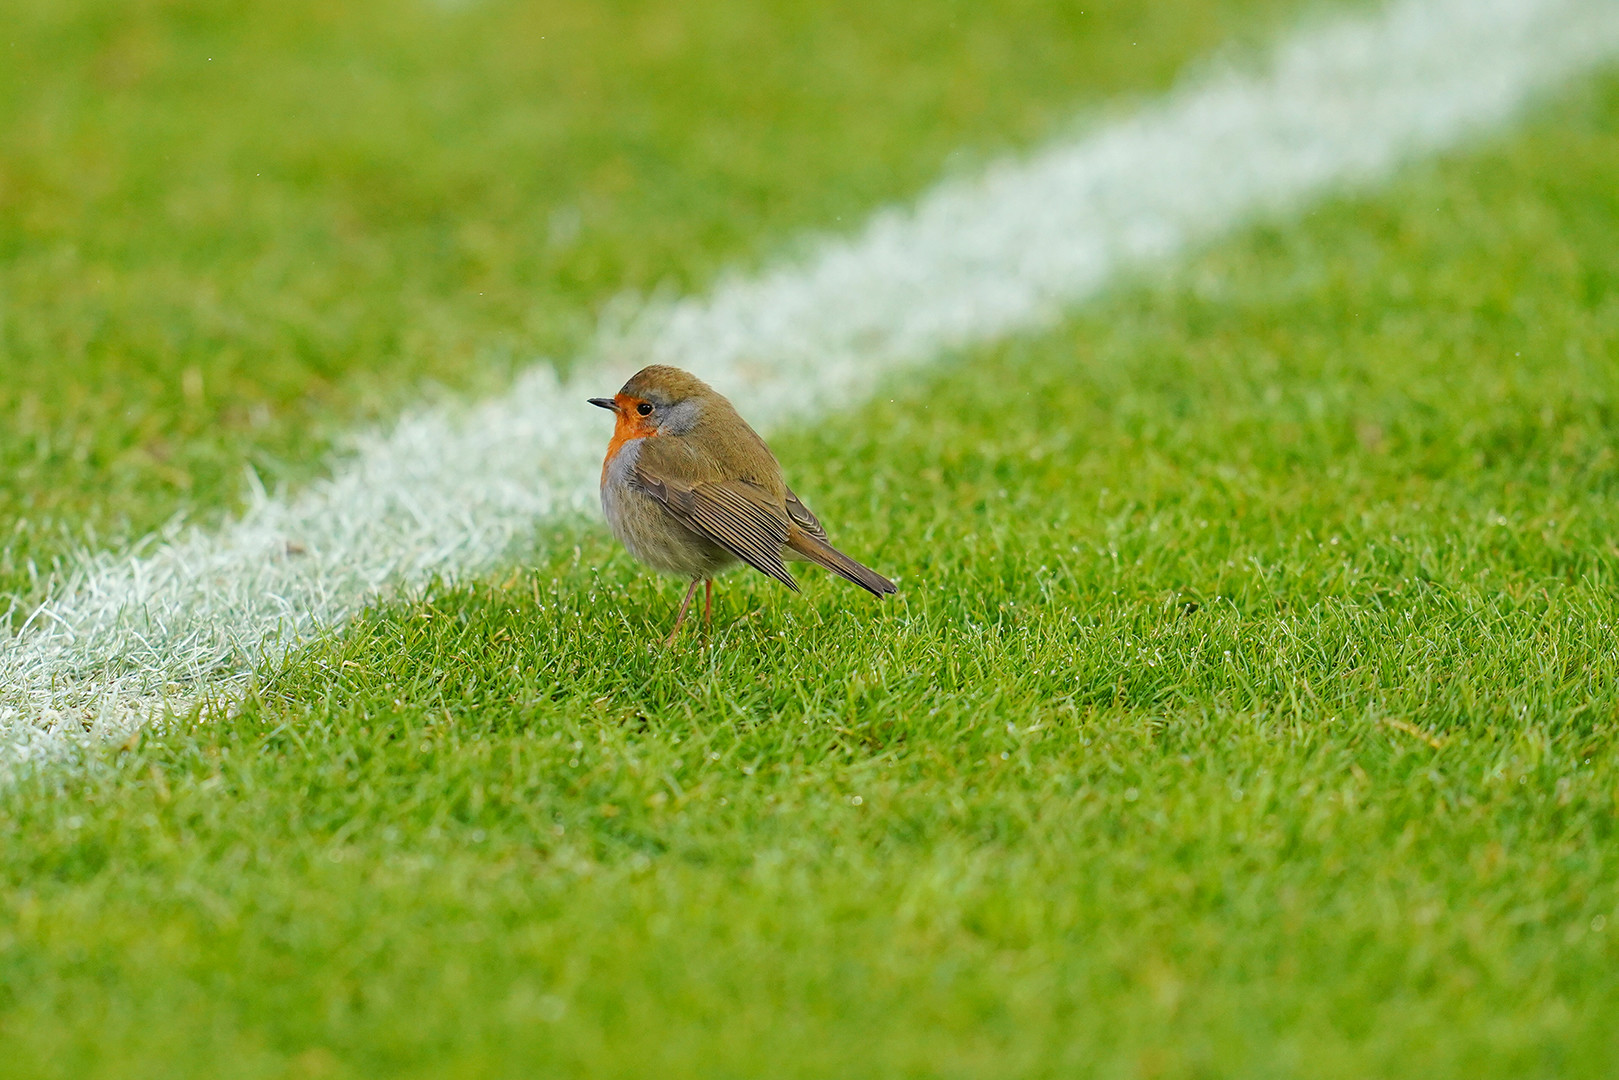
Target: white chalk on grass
[450, 492]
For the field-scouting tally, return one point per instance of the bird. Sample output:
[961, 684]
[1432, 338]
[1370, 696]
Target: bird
[692, 490]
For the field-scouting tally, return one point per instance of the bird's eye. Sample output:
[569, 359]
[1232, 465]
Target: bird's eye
[645, 408]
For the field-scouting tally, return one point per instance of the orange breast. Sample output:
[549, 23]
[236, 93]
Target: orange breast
[630, 426]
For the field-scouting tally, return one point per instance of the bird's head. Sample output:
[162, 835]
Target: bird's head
[658, 400]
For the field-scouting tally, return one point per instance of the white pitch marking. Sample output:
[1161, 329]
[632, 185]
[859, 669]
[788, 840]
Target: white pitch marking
[449, 492]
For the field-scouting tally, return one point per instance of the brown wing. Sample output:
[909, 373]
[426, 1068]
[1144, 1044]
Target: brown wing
[803, 518]
[732, 513]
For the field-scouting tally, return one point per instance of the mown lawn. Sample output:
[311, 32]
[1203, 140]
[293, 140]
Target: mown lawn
[1248, 709]
[229, 231]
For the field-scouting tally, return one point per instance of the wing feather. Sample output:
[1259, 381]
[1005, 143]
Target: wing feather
[803, 518]
[733, 514]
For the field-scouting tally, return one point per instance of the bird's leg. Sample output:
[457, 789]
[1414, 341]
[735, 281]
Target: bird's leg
[708, 602]
[684, 604]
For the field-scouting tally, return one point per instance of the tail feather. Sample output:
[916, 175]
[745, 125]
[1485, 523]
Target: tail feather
[823, 554]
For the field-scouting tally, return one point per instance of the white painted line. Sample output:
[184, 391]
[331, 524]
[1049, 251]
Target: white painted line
[449, 493]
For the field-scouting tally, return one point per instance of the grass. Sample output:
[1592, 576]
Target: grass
[231, 231]
[1248, 709]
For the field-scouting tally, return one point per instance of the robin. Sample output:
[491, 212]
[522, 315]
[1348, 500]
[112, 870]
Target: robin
[691, 490]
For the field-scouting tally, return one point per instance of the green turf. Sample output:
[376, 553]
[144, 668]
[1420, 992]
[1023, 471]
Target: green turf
[229, 230]
[1248, 710]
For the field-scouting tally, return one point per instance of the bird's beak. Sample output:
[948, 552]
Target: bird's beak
[604, 403]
